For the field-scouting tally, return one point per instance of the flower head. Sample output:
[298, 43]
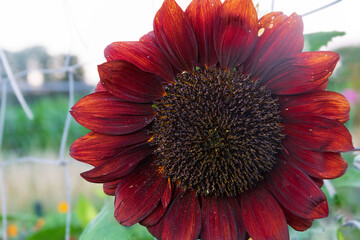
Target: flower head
[215, 125]
[13, 230]
[62, 207]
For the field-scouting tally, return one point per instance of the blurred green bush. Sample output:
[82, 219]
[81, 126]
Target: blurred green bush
[23, 136]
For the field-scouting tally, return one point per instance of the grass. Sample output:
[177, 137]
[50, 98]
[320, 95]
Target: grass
[23, 137]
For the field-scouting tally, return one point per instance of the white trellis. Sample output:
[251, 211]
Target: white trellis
[60, 161]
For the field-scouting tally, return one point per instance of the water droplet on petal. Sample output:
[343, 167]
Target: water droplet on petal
[261, 31]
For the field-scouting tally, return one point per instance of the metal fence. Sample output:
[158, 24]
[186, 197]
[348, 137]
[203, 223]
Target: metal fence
[60, 161]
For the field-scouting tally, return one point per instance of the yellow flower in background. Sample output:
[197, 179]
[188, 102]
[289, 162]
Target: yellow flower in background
[12, 230]
[39, 224]
[63, 207]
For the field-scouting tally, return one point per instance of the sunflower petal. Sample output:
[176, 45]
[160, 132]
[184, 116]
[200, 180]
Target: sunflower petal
[296, 222]
[138, 195]
[329, 104]
[149, 38]
[126, 81]
[262, 216]
[297, 192]
[154, 217]
[94, 148]
[110, 187]
[183, 219]
[119, 165]
[156, 230]
[236, 208]
[144, 55]
[105, 113]
[318, 133]
[218, 219]
[166, 197]
[202, 15]
[326, 165]
[306, 71]
[318, 181]
[236, 32]
[99, 87]
[175, 36]
[281, 38]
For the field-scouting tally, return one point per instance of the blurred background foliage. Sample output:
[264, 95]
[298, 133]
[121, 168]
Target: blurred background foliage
[35, 211]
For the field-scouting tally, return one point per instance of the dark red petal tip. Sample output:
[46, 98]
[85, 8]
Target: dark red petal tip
[138, 195]
[105, 113]
[325, 103]
[296, 222]
[110, 187]
[235, 32]
[307, 71]
[144, 55]
[175, 36]
[262, 216]
[280, 38]
[326, 165]
[154, 217]
[156, 230]
[99, 87]
[149, 38]
[297, 192]
[128, 82]
[318, 133]
[93, 148]
[119, 165]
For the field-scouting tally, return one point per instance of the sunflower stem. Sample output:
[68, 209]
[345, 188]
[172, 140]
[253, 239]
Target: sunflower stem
[330, 188]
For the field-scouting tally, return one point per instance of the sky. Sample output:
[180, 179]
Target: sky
[86, 27]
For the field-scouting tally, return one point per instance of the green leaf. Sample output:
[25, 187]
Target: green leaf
[314, 41]
[56, 233]
[55, 225]
[350, 179]
[19, 217]
[315, 229]
[340, 235]
[85, 211]
[104, 226]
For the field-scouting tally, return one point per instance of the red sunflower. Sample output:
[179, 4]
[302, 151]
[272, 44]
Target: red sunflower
[215, 125]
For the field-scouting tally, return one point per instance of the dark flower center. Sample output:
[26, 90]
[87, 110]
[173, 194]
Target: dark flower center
[216, 131]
